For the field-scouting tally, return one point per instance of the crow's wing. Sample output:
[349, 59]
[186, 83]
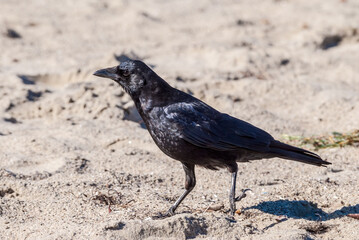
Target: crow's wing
[203, 126]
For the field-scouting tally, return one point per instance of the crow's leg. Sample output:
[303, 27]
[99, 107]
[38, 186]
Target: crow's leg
[189, 185]
[232, 194]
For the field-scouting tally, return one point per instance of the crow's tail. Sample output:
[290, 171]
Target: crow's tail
[297, 154]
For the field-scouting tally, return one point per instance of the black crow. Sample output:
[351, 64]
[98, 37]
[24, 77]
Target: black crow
[192, 132]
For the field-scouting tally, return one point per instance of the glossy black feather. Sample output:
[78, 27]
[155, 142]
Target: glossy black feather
[190, 131]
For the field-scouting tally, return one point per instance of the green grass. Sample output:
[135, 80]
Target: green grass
[334, 140]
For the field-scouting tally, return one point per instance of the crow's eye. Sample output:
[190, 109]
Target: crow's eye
[125, 73]
[122, 72]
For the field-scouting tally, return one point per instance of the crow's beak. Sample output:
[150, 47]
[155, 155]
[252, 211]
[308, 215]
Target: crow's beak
[107, 73]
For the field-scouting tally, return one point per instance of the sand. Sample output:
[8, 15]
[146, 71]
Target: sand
[76, 163]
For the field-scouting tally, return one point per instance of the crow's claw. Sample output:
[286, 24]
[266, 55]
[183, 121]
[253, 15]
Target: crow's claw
[243, 195]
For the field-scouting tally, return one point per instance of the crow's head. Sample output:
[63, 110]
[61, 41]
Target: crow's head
[132, 75]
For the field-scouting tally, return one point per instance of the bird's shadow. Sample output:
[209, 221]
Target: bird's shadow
[302, 210]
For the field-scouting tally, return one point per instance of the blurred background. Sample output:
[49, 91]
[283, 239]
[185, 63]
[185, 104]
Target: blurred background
[289, 67]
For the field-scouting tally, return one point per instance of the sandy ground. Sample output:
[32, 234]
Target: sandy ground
[75, 162]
